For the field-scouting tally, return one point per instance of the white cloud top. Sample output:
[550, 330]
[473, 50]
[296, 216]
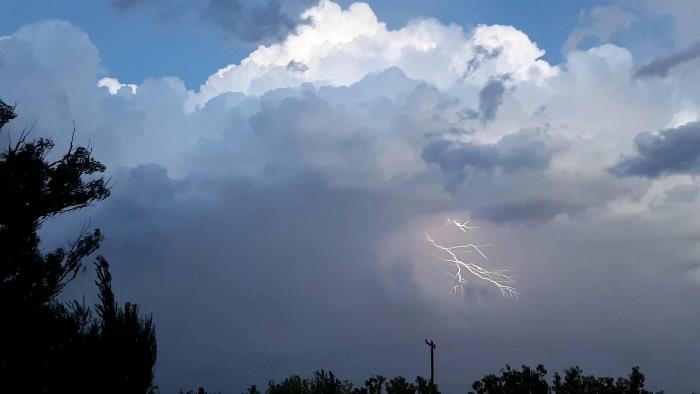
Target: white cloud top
[339, 47]
[114, 86]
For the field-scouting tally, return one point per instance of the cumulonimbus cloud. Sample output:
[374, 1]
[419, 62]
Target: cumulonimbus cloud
[270, 193]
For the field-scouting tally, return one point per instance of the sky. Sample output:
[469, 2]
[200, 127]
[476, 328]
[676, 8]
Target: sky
[276, 167]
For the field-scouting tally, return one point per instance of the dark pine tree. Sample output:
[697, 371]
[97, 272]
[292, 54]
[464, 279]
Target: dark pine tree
[47, 346]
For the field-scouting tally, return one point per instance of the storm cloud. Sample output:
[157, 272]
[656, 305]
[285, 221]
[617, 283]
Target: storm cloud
[666, 152]
[528, 148]
[274, 219]
[272, 20]
[245, 20]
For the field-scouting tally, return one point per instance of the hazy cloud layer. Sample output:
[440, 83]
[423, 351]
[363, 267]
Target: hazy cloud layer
[274, 220]
[601, 23]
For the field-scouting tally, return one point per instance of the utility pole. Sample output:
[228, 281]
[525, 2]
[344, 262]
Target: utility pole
[432, 364]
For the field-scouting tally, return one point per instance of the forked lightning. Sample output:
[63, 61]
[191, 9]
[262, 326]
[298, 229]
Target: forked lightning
[499, 278]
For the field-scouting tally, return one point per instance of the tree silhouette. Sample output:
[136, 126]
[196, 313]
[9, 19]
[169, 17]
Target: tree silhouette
[322, 382]
[126, 344]
[373, 385]
[423, 386]
[291, 385]
[327, 383]
[399, 385]
[514, 382]
[33, 190]
[47, 346]
[510, 381]
[253, 389]
[200, 390]
[7, 113]
[574, 382]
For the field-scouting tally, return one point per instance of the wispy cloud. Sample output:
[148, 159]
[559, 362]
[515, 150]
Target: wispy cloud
[661, 66]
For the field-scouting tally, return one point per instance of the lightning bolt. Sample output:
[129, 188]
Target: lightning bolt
[463, 226]
[499, 278]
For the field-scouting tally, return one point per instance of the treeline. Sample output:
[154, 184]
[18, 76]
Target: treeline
[323, 382]
[573, 381]
[509, 381]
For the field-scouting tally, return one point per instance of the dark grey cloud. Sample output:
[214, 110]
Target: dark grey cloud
[260, 271]
[508, 182]
[297, 66]
[526, 149]
[660, 66]
[127, 4]
[481, 55]
[455, 156]
[273, 19]
[245, 20]
[672, 151]
[535, 210]
[491, 97]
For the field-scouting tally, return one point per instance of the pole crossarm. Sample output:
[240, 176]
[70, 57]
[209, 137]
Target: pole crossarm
[433, 346]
